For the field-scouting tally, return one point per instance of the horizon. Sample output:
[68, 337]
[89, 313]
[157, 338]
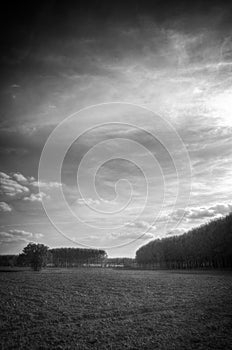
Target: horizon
[134, 257]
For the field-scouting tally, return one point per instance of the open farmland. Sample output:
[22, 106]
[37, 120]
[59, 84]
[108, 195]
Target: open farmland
[115, 309]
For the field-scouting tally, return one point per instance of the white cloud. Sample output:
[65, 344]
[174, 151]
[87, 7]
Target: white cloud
[222, 208]
[20, 178]
[176, 232]
[198, 213]
[38, 235]
[4, 207]
[11, 189]
[88, 201]
[16, 186]
[204, 211]
[4, 176]
[36, 197]
[140, 224]
[47, 185]
[15, 236]
[21, 233]
[131, 235]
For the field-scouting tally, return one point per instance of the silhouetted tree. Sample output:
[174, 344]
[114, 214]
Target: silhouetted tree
[206, 246]
[35, 255]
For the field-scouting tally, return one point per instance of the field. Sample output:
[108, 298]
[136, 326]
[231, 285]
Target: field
[115, 309]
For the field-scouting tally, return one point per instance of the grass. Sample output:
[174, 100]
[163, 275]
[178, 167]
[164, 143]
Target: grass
[115, 309]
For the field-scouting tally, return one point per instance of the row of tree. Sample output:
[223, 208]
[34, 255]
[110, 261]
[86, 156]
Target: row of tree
[8, 260]
[39, 255]
[207, 246]
[70, 257]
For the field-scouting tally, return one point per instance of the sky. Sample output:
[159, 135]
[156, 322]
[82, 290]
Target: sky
[115, 122]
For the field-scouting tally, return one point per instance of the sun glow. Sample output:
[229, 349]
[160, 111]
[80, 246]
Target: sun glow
[221, 105]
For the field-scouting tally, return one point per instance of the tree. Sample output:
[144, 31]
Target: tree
[69, 257]
[206, 246]
[35, 255]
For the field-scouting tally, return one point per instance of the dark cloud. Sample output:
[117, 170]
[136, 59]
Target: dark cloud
[48, 48]
[21, 146]
[32, 29]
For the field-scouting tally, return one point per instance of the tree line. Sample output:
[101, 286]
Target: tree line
[207, 246]
[70, 257]
[120, 262]
[38, 256]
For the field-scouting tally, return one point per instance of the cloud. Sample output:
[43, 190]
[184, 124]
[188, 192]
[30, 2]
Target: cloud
[38, 235]
[131, 235]
[88, 201]
[14, 236]
[4, 176]
[20, 178]
[172, 66]
[36, 197]
[16, 186]
[222, 208]
[204, 211]
[17, 236]
[47, 185]
[140, 224]
[91, 201]
[4, 207]
[176, 232]
[21, 233]
[11, 189]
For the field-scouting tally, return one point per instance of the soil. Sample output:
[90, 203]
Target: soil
[115, 309]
